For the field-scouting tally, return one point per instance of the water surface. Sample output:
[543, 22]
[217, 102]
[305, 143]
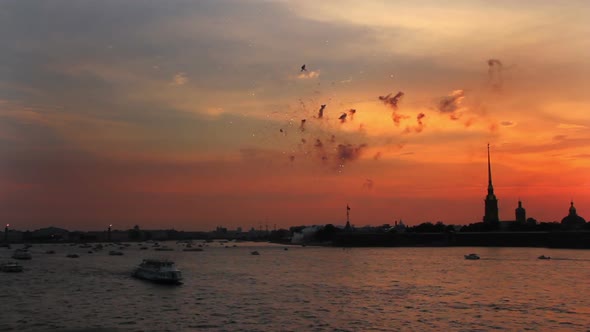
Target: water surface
[301, 289]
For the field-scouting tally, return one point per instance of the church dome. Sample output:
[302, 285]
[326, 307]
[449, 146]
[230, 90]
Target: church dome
[573, 219]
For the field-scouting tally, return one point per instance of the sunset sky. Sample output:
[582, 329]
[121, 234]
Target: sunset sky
[188, 114]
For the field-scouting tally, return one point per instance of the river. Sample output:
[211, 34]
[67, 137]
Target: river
[300, 289]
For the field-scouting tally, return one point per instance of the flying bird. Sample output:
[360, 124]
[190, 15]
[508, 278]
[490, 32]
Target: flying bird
[303, 68]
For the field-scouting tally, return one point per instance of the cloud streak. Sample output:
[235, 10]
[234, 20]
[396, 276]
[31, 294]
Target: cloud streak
[452, 104]
[306, 75]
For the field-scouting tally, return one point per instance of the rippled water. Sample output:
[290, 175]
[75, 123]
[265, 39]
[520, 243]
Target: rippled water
[302, 289]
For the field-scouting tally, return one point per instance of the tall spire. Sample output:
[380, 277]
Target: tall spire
[347, 228]
[490, 187]
[491, 203]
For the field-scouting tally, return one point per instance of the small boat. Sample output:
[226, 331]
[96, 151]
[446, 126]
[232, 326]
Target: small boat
[472, 256]
[115, 253]
[255, 253]
[544, 257]
[50, 252]
[21, 254]
[160, 271]
[143, 248]
[72, 255]
[11, 267]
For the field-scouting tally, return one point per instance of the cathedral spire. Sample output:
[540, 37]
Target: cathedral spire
[491, 203]
[490, 186]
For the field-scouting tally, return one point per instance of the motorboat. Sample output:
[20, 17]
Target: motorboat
[255, 253]
[115, 253]
[472, 256]
[21, 254]
[544, 257]
[72, 255]
[50, 252]
[160, 271]
[11, 267]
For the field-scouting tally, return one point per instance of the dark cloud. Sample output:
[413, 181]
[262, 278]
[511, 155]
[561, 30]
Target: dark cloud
[302, 125]
[451, 104]
[392, 101]
[349, 152]
[419, 117]
[321, 111]
[419, 127]
[396, 117]
[495, 74]
[342, 118]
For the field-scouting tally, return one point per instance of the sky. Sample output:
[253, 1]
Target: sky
[197, 114]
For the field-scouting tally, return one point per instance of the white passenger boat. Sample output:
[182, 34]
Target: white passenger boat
[160, 271]
[11, 267]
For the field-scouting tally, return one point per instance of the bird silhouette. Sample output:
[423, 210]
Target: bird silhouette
[303, 68]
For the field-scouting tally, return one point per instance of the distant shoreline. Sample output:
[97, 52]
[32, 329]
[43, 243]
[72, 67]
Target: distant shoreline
[539, 239]
[549, 239]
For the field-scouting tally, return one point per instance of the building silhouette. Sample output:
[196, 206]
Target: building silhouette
[491, 203]
[573, 220]
[348, 227]
[520, 213]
